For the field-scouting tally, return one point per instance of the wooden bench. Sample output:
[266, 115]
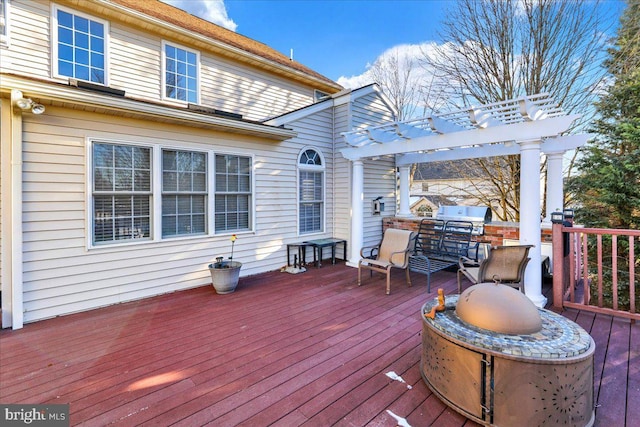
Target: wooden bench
[439, 245]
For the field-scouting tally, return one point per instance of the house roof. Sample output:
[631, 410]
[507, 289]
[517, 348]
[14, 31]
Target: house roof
[434, 199]
[223, 37]
[446, 170]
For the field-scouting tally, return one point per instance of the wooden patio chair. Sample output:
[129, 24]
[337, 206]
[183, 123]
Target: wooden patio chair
[392, 252]
[504, 264]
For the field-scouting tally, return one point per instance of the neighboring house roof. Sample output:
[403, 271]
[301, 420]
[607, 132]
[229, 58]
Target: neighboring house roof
[435, 200]
[180, 18]
[443, 170]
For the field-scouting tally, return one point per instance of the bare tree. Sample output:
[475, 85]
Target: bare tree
[497, 50]
[394, 72]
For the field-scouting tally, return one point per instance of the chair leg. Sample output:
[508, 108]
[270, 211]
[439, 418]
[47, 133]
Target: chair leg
[459, 283]
[406, 272]
[388, 281]
[359, 276]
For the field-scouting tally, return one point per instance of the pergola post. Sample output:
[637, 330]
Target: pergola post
[404, 208]
[530, 227]
[357, 211]
[555, 187]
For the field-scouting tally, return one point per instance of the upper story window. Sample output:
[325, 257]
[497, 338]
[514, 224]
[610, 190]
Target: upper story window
[180, 73]
[4, 21]
[80, 46]
[310, 192]
[319, 95]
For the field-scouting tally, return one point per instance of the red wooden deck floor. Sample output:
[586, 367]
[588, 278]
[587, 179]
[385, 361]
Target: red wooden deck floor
[286, 350]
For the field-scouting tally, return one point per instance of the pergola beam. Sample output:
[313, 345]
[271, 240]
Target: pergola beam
[511, 132]
[549, 145]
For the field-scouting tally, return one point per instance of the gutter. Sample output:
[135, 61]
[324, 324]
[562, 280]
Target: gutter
[117, 105]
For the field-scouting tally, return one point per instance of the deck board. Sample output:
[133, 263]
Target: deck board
[284, 350]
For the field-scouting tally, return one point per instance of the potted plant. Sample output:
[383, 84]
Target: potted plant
[225, 274]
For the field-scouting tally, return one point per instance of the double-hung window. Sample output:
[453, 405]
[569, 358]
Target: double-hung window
[232, 193]
[121, 192]
[184, 192]
[310, 192]
[180, 73]
[80, 46]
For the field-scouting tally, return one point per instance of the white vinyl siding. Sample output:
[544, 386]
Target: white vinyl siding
[143, 77]
[342, 173]
[30, 39]
[64, 274]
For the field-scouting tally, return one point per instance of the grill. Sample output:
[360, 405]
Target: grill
[477, 215]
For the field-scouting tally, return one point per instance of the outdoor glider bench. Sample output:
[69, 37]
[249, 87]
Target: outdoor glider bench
[440, 245]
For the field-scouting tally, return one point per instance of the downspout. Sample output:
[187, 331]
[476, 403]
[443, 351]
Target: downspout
[6, 119]
[15, 317]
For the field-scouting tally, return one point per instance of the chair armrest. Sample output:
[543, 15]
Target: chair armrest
[405, 254]
[373, 251]
[465, 262]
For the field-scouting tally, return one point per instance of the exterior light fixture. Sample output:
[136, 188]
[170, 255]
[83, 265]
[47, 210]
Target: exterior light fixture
[568, 213]
[26, 103]
[557, 217]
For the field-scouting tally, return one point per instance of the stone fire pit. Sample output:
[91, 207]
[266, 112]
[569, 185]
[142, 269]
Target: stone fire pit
[540, 378]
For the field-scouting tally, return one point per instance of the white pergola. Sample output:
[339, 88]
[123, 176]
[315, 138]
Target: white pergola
[528, 126]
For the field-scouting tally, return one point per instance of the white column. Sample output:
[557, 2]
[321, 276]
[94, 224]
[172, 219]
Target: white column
[404, 208]
[530, 212]
[357, 212]
[555, 189]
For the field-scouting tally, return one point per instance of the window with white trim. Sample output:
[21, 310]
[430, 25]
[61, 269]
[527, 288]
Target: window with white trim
[4, 21]
[121, 193]
[184, 192]
[232, 193]
[80, 46]
[180, 73]
[310, 192]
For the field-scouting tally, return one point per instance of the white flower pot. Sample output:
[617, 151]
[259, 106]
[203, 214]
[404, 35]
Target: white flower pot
[225, 276]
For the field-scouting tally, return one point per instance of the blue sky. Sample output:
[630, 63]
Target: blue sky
[337, 38]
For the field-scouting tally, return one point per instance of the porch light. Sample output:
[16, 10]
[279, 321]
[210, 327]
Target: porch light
[568, 213]
[557, 217]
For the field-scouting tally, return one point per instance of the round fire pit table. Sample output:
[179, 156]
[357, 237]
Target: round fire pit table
[539, 379]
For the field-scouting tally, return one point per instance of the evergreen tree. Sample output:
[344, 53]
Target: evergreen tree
[607, 190]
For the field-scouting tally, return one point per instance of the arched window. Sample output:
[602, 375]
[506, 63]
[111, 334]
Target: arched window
[310, 192]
